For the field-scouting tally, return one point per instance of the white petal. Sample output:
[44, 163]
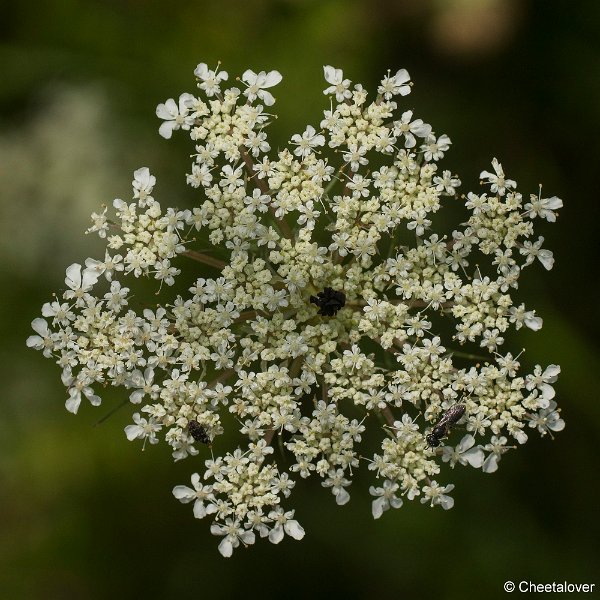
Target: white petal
[294, 529]
[548, 392]
[199, 509]
[520, 436]
[89, 278]
[133, 432]
[276, 534]
[551, 371]
[421, 129]
[73, 278]
[490, 464]
[247, 537]
[329, 73]
[401, 77]
[201, 71]
[226, 547]
[94, 400]
[185, 101]
[142, 175]
[557, 425]
[552, 203]
[266, 97]
[40, 326]
[447, 502]
[543, 402]
[474, 457]
[534, 323]
[166, 129]
[342, 497]
[249, 76]
[72, 404]
[168, 110]
[272, 78]
[467, 442]
[35, 341]
[546, 258]
[409, 140]
[183, 493]
[396, 502]
[377, 507]
[136, 397]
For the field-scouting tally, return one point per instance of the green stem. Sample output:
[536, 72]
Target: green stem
[205, 259]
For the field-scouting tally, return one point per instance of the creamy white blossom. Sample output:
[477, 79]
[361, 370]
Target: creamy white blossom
[320, 306]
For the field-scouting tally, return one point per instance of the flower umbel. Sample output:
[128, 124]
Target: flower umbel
[321, 311]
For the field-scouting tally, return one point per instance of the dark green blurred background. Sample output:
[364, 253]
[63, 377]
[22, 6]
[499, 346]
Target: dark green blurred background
[84, 513]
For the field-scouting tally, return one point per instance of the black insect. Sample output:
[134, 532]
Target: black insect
[329, 301]
[443, 426]
[198, 432]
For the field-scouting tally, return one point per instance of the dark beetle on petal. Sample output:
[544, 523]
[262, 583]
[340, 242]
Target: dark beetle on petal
[329, 301]
[198, 432]
[442, 428]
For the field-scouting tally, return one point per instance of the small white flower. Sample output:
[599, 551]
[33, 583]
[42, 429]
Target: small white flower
[434, 148]
[234, 534]
[201, 495]
[533, 250]
[398, 84]
[548, 419]
[143, 184]
[497, 180]
[257, 84]
[385, 498]
[543, 382]
[447, 183]
[116, 299]
[43, 340]
[210, 81]
[284, 523]
[142, 429]
[307, 142]
[409, 129]
[175, 115]
[497, 447]
[544, 207]
[337, 482]
[106, 267]
[79, 281]
[144, 382]
[339, 86]
[78, 387]
[355, 156]
[436, 494]
[465, 453]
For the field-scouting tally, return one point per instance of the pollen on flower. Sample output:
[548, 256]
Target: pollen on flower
[310, 322]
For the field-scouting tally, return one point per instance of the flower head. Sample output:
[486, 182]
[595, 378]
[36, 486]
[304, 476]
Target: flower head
[311, 322]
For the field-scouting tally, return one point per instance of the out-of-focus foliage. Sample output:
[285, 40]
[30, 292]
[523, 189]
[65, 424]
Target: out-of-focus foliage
[85, 514]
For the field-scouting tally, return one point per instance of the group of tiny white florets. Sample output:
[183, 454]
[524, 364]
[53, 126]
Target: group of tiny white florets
[318, 325]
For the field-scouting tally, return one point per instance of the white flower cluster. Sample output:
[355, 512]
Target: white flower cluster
[334, 315]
